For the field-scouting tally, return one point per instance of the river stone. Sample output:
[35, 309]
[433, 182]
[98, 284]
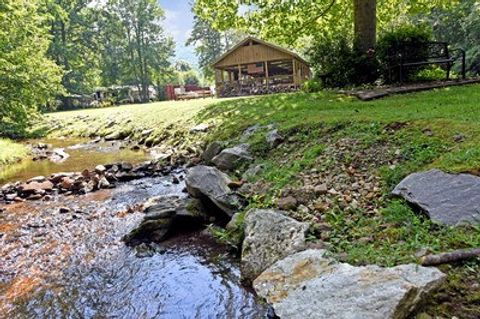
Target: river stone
[36, 187]
[274, 138]
[446, 198]
[269, 236]
[206, 181]
[230, 158]
[162, 214]
[211, 151]
[308, 285]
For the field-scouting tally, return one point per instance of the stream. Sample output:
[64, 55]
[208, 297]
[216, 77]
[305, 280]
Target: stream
[71, 262]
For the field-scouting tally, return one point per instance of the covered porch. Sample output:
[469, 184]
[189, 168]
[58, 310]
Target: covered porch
[261, 77]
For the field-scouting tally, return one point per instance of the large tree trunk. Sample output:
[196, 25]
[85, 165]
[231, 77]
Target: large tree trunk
[365, 21]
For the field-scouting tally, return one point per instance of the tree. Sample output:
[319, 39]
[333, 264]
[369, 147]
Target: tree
[289, 22]
[365, 24]
[141, 44]
[75, 44]
[210, 43]
[28, 79]
[459, 26]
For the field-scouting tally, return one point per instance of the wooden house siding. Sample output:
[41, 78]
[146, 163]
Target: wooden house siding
[252, 54]
[254, 66]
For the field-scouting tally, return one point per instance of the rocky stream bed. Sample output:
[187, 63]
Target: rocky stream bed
[126, 240]
[62, 254]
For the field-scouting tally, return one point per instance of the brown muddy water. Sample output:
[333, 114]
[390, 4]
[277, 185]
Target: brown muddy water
[74, 265]
[83, 155]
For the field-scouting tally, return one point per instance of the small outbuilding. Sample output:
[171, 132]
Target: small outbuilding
[255, 66]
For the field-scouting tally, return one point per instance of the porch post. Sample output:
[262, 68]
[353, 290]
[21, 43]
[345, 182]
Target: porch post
[266, 73]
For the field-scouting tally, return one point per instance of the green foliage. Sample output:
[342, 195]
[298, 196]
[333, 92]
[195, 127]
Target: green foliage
[413, 36]
[11, 152]
[28, 79]
[430, 73]
[137, 49]
[210, 44]
[337, 64]
[76, 44]
[460, 27]
[290, 22]
[312, 86]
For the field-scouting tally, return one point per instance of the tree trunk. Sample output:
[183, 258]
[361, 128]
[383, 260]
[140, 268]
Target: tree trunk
[365, 21]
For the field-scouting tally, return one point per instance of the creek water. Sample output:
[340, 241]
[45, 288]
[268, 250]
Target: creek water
[82, 155]
[74, 264]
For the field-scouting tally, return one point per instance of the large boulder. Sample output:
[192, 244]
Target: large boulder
[446, 198]
[308, 285]
[162, 215]
[269, 236]
[206, 182]
[230, 158]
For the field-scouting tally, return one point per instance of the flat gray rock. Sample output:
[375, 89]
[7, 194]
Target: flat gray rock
[269, 236]
[308, 285]
[446, 198]
[230, 158]
[206, 181]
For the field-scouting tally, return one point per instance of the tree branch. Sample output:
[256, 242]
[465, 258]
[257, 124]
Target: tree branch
[454, 256]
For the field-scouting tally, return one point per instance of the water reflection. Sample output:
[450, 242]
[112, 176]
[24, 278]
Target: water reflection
[83, 155]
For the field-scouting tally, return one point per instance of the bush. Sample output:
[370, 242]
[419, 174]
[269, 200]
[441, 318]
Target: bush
[410, 35]
[312, 86]
[337, 64]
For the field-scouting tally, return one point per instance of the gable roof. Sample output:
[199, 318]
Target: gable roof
[250, 38]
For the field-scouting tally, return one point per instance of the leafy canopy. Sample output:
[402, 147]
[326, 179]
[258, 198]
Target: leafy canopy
[289, 21]
[28, 79]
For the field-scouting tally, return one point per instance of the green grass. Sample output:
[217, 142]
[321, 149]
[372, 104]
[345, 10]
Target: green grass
[11, 152]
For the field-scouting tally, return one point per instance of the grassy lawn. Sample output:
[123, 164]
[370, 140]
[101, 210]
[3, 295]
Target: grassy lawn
[11, 152]
[327, 136]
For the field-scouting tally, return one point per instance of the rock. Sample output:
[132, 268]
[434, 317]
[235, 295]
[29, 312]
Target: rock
[274, 138]
[269, 236]
[67, 183]
[58, 155]
[114, 136]
[126, 166]
[212, 150]
[234, 223]
[11, 197]
[103, 183]
[162, 214]
[308, 285]
[205, 181]
[458, 138]
[199, 128]
[321, 189]
[100, 169]
[253, 171]
[64, 210]
[36, 187]
[287, 203]
[38, 179]
[230, 158]
[146, 133]
[249, 132]
[128, 176]
[446, 198]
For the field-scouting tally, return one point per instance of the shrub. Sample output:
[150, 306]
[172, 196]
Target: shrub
[312, 86]
[410, 35]
[337, 64]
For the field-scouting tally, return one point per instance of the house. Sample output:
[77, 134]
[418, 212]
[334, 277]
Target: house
[254, 66]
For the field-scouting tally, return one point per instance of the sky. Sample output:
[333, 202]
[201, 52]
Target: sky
[178, 23]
